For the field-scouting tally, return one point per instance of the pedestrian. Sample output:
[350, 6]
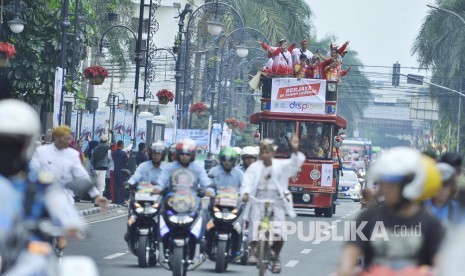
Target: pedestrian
[100, 162]
[296, 53]
[141, 155]
[121, 162]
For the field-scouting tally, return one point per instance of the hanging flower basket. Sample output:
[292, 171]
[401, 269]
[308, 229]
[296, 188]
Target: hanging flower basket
[96, 80]
[165, 96]
[95, 74]
[7, 51]
[241, 126]
[232, 123]
[198, 108]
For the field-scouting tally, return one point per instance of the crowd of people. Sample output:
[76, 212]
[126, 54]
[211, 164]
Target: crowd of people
[300, 63]
[408, 190]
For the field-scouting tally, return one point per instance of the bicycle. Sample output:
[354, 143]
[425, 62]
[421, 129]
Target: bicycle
[265, 253]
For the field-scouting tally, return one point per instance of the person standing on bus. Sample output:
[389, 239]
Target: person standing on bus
[297, 53]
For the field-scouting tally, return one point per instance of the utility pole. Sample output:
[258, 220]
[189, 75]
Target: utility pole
[65, 24]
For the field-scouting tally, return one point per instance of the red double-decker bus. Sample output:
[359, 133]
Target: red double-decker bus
[316, 122]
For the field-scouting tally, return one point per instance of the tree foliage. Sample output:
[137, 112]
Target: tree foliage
[31, 73]
[440, 47]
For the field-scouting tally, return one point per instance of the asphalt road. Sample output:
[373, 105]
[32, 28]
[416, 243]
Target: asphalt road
[301, 255]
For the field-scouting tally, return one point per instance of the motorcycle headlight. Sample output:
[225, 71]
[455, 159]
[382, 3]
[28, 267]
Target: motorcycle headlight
[139, 210]
[229, 216]
[150, 210]
[180, 219]
[218, 214]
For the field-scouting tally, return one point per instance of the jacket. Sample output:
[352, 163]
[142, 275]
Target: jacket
[100, 159]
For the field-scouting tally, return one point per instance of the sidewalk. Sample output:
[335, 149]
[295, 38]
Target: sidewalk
[86, 208]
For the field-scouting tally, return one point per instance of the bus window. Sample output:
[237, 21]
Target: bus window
[316, 142]
[282, 133]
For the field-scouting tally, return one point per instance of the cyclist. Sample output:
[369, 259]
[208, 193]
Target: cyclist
[226, 176]
[147, 171]
[248, 156]
[404, 177]
[268, 178]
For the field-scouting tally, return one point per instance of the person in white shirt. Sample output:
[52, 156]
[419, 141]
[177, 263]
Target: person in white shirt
[268, 178]
[302, 51]
[64, 163]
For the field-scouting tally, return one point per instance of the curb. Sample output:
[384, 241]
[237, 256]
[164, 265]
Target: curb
[96, 210]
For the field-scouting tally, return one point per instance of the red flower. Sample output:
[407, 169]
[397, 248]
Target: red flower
[199, 107]
[95, 71]
[242, 125]
[7, 49]
[165, 93]
[233, 123]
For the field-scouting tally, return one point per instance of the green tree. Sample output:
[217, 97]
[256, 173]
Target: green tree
[276, 18]
[439, 46]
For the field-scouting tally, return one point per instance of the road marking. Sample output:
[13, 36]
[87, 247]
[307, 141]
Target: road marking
[125, 215]
[116, 255]
[291, 263]
[305, 251]
[316, 242]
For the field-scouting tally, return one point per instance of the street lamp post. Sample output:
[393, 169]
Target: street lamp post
[461, 84]
[65, 24]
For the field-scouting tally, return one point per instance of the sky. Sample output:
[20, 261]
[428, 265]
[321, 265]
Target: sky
[381, 31]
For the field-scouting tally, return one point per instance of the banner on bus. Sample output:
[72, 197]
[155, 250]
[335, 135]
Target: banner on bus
[306, 96]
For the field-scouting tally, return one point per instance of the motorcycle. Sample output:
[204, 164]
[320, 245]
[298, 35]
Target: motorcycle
[144, 240]
[225, 209]
[181, 224]
[37, 257]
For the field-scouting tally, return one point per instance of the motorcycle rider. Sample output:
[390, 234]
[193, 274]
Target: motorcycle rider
[226, 176]
[147, 171]
[268, 178]
[404, 177]
[35, 195]
[172, 153]
[186, 151]
[248, 156]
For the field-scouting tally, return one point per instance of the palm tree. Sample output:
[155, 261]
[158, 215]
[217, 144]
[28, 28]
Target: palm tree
[277, 19]
[439, 46]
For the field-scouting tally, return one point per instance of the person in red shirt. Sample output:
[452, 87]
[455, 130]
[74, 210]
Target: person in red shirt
[282, 57]
[316, 69]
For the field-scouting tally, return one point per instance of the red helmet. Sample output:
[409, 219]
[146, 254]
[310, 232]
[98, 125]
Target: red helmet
[186, 146]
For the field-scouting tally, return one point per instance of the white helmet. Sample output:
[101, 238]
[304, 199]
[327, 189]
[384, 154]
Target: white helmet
[398, 165]
[249, 151]
[19, 118]
[238, 150]
[447, 171]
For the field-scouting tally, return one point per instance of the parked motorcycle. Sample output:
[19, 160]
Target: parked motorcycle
[181, 224]
[144, 239]
[224, 230]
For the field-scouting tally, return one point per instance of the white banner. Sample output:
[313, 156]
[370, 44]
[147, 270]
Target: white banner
[100, 123]
[215, 141]
[306, 96]
[118, 127]
[57, 95]
[128, 130]
[326, 175]
[226, 139]
[142, 128]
